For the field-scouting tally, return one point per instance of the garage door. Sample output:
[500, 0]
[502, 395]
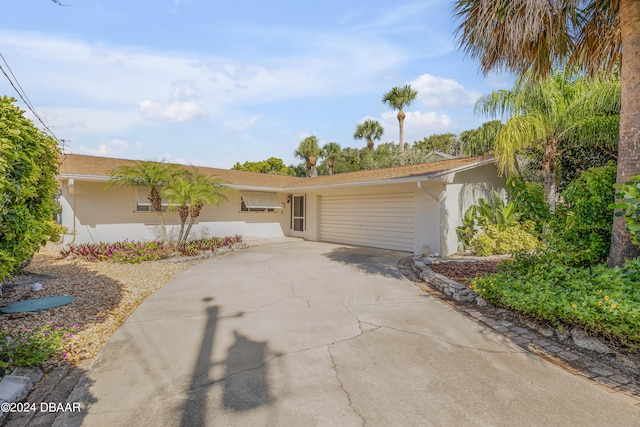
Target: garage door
[380, 221]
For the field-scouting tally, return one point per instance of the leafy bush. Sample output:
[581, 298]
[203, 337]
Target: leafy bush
[134, 252]
[530, 201]
[580, 230]
[629, 205]
[28, 168]
[601, 300]
[513, 238]
[35, 347]
[467, 231]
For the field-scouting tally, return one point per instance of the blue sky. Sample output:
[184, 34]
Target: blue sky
[215, 83]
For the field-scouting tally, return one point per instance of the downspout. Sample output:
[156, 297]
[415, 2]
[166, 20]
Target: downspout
[438, 198]
[72, 192]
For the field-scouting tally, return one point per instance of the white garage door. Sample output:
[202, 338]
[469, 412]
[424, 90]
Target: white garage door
[380, 221]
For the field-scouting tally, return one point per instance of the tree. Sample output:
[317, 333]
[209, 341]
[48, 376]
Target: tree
[28, 169]
[443, 142]
[273, 165]
[480, 141]
[522, 35]
[543, 113]
[308, 150]
[331, 151]
[148, 174]
[398, 98]
[369, 129]
[192, 190]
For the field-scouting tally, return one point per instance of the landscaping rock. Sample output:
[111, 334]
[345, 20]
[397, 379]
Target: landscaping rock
[14, 388]
[31, 372]
[583, 340]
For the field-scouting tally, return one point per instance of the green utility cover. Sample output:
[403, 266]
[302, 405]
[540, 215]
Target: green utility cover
[38, 304]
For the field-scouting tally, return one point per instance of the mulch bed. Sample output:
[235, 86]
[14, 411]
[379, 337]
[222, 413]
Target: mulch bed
[465, 272]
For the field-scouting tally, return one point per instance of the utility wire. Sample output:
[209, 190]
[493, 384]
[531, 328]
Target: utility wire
[22, 94]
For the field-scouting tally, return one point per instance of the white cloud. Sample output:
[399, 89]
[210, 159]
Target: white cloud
[111, 148]
[417, 125]
[440, 92]
[175, 111]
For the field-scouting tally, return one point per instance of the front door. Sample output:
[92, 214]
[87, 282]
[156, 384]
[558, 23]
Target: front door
[298, 209]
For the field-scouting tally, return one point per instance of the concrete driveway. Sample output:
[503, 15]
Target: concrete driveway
[303, 334]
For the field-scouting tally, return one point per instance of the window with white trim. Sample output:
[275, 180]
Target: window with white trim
[144, 205]
[257, 201]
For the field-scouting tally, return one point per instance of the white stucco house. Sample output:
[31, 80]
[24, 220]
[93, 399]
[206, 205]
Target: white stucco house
[409, 208]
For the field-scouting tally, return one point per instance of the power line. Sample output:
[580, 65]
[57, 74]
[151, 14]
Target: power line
[22, 94]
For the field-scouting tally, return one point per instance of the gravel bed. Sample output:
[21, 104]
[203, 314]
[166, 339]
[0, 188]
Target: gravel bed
[105, 295]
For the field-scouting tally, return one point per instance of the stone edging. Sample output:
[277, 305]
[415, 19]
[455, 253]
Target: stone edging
[450, 287]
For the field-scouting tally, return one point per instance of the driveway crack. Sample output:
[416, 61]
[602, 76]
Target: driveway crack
[334, 366]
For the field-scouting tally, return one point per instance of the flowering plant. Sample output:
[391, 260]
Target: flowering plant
[33, 347]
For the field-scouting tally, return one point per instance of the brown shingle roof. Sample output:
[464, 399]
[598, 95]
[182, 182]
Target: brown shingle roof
[99, 167]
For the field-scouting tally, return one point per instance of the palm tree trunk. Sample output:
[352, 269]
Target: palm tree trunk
[401, 117]
[163, 227]
[629, 144]
[549, 165]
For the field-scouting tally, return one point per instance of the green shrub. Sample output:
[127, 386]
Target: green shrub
[28, 168]
[601, 300]
[629, 205]
[580, 230]
[511, 239]
[530, 201]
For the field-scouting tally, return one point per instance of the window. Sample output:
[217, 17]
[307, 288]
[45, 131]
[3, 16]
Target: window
[144, 205]
[258, 202]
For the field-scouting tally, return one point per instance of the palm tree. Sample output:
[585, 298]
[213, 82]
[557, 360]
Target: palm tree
[331, 150]
[369, 129]
[522, 35]
[398, 98]
[545, 113]
[148, 174]
[308, 150]
[191, 190]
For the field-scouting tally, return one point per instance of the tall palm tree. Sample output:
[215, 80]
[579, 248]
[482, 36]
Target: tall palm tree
[545, 113]
[398, 98]
[331, 151]
[192, 190]
[308, 150]
[523, 35]
[148, 174]
[369, 129]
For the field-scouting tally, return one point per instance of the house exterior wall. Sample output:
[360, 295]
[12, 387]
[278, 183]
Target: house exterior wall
[99, 215]
[465, 190]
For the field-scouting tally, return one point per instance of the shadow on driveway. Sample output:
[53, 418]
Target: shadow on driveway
[381, 262]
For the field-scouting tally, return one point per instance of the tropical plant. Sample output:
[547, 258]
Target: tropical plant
[494, 211]
[534, 36]
[273, 166]
[147, 174]
[331, 151]
[467, 231]
[480, 141]
[369, 129]
[509, 239]
[580, 231]
[529, 200]
[398, 98]
[544, 113]
[628, 205]
[28, 169]
[443, 142]
[192, 190]
[308, 150]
